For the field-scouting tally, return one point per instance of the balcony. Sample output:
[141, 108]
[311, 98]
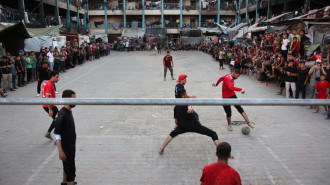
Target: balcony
[9, 15]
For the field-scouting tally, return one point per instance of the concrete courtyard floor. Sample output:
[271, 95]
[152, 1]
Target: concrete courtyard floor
[119, 144]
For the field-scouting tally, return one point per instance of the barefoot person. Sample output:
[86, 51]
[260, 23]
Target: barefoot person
[187, 122]
[228, 91]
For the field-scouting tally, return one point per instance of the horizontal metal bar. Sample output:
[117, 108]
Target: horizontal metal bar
[161, 101]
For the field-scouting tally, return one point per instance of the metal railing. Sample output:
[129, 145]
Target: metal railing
[162, 101]
[209, 24]
[10, 15]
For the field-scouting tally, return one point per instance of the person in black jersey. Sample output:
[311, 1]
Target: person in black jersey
[65, 136]
[187, 122]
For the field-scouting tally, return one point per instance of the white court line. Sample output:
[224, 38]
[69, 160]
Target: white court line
[270, 177]
[277, 158]
[34, 175]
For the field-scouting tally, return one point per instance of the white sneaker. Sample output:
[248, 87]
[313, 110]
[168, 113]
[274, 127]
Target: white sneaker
[250, 124]
[56, 92]
[38, 95]
[230, 128]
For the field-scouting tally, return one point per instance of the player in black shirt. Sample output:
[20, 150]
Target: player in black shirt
[65, 136]
[186, 122]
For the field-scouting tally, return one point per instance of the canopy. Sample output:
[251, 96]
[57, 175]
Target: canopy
[130, 33]
[18, 31]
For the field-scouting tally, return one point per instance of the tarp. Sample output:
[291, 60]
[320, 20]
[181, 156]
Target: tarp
[278, 18]
[156, 32]
[18, 31]
[34, 44]
[192, 40]
[312, 48]
[241, 33]
[83, 38]
[104, 37]
[130, 33]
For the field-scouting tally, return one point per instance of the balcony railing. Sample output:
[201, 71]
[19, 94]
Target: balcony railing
[110, 6]
[33, 18]
[208, 25]
[10, 15]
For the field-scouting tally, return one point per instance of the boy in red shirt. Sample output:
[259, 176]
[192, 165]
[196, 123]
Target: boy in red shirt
[295, 46]
[228, 91]
[321, 91]
[168, 64]
[220, 173]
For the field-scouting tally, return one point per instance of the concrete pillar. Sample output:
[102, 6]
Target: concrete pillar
[106, 16]
[21, 7]
[85, 16]
[269, 10]
[68, 18]
[257, 9]
[181, 13]
[162, 19]
[200, 14]
[78, 18]
[143, 15]
[247, 12]
[124, 9]
[87, 24]
[218, 17]
[42, 12]
[239, 11]
[56, 12]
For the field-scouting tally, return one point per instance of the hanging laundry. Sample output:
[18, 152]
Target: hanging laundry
[148, 3]
[97, 23]
[212, 21]
[177, 21]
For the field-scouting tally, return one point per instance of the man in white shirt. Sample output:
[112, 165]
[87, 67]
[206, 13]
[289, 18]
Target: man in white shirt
[284, 47]
[127, 45]
[51, 58]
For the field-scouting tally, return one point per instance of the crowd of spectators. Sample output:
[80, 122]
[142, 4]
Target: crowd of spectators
[279, 57]
[28, 67]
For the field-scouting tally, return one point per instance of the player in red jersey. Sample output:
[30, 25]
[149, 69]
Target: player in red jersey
[168, 64]
[48, 91]
[228, 91]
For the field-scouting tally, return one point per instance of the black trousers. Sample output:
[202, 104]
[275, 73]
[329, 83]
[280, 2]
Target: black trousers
[300, 87]
[69, 165]
[228, 109]
[29, 74]
[52, 125]
[197, 128]
[39, 85]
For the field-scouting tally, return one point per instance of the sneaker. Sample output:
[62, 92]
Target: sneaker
[250, 124]
[230, 128]
[38, 95]
[310, 107]
[314, 111]
[11, 89]
[173, 78]
[56, 92]
[164, 79]
[278, 93]
[48, 136]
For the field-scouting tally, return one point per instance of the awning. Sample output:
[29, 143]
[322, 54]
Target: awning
[18, 31]
[276, 18]
[130, 33]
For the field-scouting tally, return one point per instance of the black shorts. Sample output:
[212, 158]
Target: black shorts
[228, 109]
[221, 62]
[69, 165]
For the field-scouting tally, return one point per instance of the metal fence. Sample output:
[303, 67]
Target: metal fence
[162, 101]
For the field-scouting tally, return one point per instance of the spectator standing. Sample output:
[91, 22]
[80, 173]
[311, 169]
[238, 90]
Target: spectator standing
[284, 47]
[28, 65]
[304, 39]
[62, 54]
[42, 74]
[13, 71]
[315, 73]
[22, 58]
[5, 67]
[57, 59]
[127, 45]
[291, 79]
[34, 66]
[302, 80]
[20, 70]
[321, 91]
[220, 173]
[50, 55]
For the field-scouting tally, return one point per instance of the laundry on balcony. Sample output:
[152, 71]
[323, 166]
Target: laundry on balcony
[135, 25]
[97, 23]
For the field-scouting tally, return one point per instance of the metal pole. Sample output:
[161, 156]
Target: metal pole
[218, 18]
[124, 9]
[247, 13]
[106, 16]
[143, 15]
[68, 18]
[162, 12]
[162, 101]
[180, 13]
[200, 14]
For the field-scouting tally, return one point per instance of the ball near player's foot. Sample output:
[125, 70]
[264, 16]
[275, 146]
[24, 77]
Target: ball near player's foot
[245, 130]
